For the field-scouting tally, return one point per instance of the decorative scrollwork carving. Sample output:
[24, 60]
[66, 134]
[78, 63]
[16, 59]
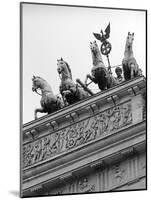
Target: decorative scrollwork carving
[77, 134]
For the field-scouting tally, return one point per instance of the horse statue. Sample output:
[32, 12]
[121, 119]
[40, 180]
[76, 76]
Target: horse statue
[70, 91]
[99, 73]
[49, 102]
[129, 64]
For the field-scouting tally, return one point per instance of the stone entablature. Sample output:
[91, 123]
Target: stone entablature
[97, 126]
[77, 130]
[126, 172]
[79, 138]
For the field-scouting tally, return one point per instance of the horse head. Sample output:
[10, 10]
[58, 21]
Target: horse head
[40, 83]
[94, 47]
[64, 69]
[129, 39]
[96, 54]
[37, 83]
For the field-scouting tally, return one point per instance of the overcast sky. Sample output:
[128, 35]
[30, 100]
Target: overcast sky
[52, 32]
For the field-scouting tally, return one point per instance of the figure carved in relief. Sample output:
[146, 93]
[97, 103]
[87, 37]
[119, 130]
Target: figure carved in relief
[114, 118]
[37, 151]
[45, 148]
[118, 173]
[85, 187]
[83, 183]
[49, 102]
[130, 66]
[70, 91]
[126, 115]
[99, 73]
[81, 133]
[77, 134]
[27, 156]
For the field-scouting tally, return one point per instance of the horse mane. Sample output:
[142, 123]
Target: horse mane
[40, 78]
[96, 56]
[69, 69]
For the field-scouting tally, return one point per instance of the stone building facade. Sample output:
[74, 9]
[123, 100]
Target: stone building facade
[95, 145]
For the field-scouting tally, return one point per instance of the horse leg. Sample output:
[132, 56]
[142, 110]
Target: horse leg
[92, 78]
[126, 72]
[137, 71]
[41, 110]
[132, 66]
[85, 89]
[86, 79]
[111, 81]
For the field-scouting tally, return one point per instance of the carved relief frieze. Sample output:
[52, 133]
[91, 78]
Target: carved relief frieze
[77, 134]
[83, 183]
[85, 186]
[91, 189]
[111, 177]
[59, 191]
[118, 173]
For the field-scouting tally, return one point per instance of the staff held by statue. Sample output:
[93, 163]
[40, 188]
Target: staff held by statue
[106, 45]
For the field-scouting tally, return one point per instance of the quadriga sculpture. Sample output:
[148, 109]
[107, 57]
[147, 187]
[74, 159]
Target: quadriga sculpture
[99, 73]
[70, 91]
[49, 102]
[129, 64]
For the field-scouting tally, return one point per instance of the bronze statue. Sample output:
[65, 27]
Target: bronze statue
[119, 77]
[130, 66]
[105, 46]
[70, 91]
[49, 102]
[99, 73]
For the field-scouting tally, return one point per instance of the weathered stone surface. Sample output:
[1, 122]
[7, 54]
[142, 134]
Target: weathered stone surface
[137, 111]
[92, 146]
[123, 175]
[77, 134]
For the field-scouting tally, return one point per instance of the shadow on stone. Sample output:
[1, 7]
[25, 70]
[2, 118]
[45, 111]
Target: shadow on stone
[14, 193]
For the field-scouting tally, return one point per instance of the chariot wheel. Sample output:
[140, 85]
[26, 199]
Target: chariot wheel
[106, 48]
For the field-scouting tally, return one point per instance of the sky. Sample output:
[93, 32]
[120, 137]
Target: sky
[52, 32]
